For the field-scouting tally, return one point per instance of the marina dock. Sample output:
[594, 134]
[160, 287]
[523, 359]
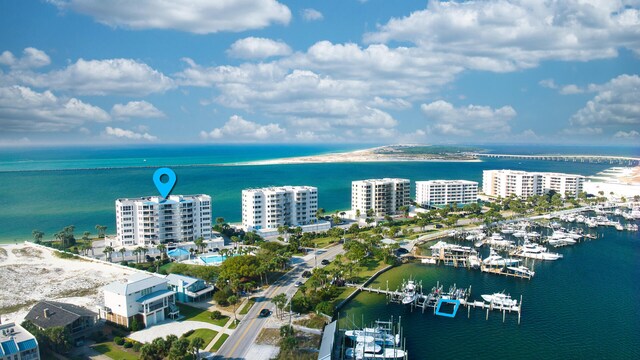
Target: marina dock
[437, 296]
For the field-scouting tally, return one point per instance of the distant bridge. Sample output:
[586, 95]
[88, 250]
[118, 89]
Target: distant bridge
[602, 159]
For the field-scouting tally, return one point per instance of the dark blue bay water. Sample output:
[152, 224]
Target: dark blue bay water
[584, 306]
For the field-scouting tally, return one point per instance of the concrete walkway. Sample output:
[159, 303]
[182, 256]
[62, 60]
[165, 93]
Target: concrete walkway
[226, 329]
[176, 328]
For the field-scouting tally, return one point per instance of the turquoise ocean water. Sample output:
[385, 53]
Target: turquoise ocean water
[50, 188]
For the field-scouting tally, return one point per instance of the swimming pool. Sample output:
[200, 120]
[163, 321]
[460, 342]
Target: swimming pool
[213, 259]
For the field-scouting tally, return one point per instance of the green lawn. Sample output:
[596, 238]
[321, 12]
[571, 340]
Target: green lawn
[323, 242]
[195, 314]
[234, 324]
[206, 334]
[219, 343]
[115, 352]
[245, 309]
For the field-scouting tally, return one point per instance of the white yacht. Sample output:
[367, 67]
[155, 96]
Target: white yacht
[535, 251]
[409, 292]
[561, 242]
[494, 259]
[498, 241]
[500, 299]
[364, 351]
[522, 270]
[377, 335]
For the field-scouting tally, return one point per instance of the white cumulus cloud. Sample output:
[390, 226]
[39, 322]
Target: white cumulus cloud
[258, 48]
[312, 15]
[128, 134]
[633, 134]
[467, 121]
[616, 103]
[23, 109]
[136, 109]
[31, 58]
[195, 16]
[100, 77]
[241, 130]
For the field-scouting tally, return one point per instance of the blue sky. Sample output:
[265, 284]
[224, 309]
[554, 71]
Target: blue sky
[331, 71]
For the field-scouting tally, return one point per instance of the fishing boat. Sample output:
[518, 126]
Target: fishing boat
[494, 259]
[521, 270]
[409, 292]
[500, 299]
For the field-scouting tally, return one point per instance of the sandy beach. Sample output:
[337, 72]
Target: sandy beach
[31, 273]
[622, 175]
[366, 155]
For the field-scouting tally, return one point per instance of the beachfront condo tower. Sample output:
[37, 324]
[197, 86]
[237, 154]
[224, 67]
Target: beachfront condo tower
[153, 220]
[383, 196]
[504, 183]
[271, 207]
[443, 192]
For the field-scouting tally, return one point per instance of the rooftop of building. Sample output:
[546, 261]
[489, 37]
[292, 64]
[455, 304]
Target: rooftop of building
[14, 339]
[281, 188]
[172, 199]
[48, 314]
[382, 180]
[447, 182]
[534, 173]
[181, 280]
[134, 283]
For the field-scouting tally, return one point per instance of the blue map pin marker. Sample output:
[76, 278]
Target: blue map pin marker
[164, 187]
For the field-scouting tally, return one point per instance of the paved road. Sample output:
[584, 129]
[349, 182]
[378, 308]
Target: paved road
[240, 341]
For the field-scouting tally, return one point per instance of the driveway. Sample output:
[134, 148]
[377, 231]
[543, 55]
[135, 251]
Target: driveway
[173, 327]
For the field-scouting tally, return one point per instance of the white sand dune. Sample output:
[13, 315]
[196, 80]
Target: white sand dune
[30, 273]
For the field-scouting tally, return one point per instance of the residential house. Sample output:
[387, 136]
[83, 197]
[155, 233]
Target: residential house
[189, 289]
[50, 314]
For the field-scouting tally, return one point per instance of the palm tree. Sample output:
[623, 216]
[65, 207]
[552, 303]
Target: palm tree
[101, 230]
[279, 301]
[137, 252]
[233, 300]
[122, 251]
[145, 250]
[200, 243]
[163, 249]
[197, 343]
[108, 251]
[37, 236]
[60, 237]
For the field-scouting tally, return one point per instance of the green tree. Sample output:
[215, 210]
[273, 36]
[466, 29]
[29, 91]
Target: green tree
[279, 301]
[179, 348]
[163, 250]
[286, 330]
[108, 251]
[233, 300]
[37, 236]
[102, 230]
[122, 251]
[197, 343]
[200, 243]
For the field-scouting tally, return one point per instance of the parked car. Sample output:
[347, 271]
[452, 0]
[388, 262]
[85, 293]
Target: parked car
[325, 262]
[264, 313]
[306, 274]
[298, 283]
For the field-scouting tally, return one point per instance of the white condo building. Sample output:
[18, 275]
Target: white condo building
[141, 221]
[383, 196]
[269, 208]
[443, 192]
[523, 184]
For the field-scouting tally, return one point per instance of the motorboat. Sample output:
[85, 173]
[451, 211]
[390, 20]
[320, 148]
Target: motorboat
[498, 241]
[409, 292]
[494, 259]
[364, 351]
[522, 270]
[561, 242]
[377, 335]
[536, 251]
[500, 299]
